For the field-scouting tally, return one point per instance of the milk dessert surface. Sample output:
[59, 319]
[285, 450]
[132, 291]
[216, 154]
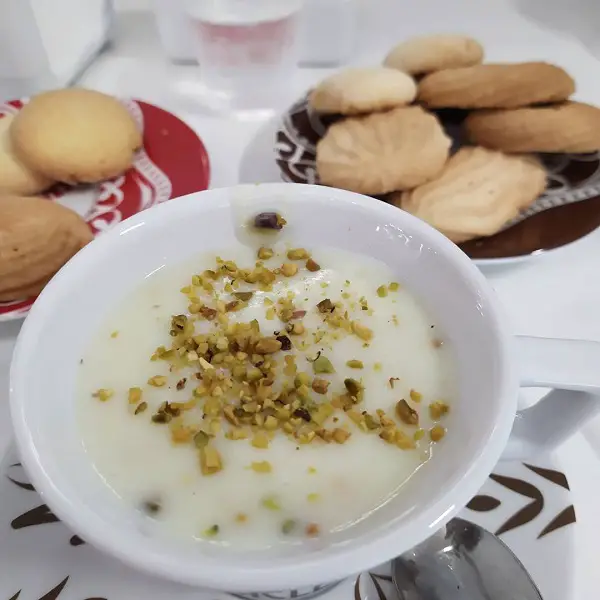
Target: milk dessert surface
[337, 399]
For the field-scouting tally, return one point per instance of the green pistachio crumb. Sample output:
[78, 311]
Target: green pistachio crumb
[103, 394]
[271, 503]
[212, 531]
[288, 526]
[355, 364]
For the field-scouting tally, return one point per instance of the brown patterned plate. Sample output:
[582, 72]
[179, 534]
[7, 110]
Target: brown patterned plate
[528, 505]
[566, 212]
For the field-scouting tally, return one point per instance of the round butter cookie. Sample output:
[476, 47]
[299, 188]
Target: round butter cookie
[429, 53]
[383, 152]
[478, 193]
[496, 86]
[37, 237]
[363, 90]
[15, 177]
[75, 136]
[570, 127]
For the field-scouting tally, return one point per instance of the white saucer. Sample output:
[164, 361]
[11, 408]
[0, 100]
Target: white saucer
[530, 506]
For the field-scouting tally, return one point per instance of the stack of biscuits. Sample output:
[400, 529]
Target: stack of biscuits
[70, 136]
[389, 140]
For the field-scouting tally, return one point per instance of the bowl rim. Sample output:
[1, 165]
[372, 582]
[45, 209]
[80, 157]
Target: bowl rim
[307, 570]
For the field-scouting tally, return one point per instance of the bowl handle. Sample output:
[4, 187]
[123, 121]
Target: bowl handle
[572, 369]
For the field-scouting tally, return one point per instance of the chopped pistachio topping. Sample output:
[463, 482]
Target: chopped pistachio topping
[436, 433]
[210, 460]
[298, 254]
[320, 386]
[416, 396]
[103, 394]
[354, 388]
[438, 409]
[362, 331]
[265, 253]
[267, 346]
[322, 364]
[394, 287]
[262, 467]
[271, 503]
[403, 440]
[243, 296]
[326, 306]
[247, 383]
[382, 291]
[134, 395]
[406, 413]
[355, 364]
[140, 408]
[157, 381]
[151, 507]
[340, 436]
[260, 440]
[288, 526]
[289, 269]
[212, 531]
[269, 220]
[201, 439]
[312, 266]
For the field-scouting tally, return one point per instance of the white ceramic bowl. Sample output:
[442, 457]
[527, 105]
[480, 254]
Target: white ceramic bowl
[73, 305]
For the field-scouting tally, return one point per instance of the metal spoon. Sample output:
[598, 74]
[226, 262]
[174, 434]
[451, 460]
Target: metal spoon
[462, 561]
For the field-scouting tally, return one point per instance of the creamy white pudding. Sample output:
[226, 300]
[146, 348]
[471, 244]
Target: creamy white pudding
[262, 445]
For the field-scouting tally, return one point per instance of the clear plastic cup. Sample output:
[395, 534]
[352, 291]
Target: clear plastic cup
[247, 50]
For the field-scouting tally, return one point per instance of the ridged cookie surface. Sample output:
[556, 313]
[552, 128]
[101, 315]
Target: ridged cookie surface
[478, 192]
[75, 136]
[496, 86]
[569, 127]
[383, 152]
[429, 53]
[15, 176]
[37, 237]
[363, 90]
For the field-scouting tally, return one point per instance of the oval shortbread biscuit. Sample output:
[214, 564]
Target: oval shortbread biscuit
[496, 86]
[568, 127]
[383, 152]
[363, 90]
[429, 53]
[37, 237]
[478, 192]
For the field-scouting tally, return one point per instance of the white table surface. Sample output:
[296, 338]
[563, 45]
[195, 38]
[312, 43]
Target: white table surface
[556, 295]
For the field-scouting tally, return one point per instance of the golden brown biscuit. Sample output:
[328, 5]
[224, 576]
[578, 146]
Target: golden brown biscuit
[37, 237]
[429, 53]
[363, 90]
[496, 86]
[383, 152]
[15, 177]
[75, 136]
[478, 192]
[568, 127]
